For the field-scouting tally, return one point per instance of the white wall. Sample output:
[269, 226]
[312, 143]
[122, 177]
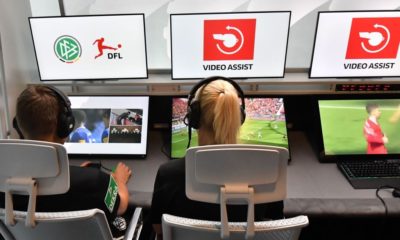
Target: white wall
[3, 99]
[19, 61]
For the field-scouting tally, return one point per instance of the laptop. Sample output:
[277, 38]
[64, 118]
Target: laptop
[362, 135]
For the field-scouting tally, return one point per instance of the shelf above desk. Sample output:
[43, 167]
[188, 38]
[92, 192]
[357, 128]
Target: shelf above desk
[159, 84]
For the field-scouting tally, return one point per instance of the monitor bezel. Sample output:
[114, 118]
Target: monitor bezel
[284, 97]
[315, 39]
[91, 79]
[114, 155]
[230, 13]
[323, 158]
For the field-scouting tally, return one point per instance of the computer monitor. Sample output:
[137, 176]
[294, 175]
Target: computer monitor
[265, 124]
[236, 45]
[356, 45]
[359, 127]
[109, 125]
[90, 47]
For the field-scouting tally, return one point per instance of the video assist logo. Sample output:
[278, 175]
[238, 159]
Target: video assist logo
[374, 38]
[67, 49]
[229, 39]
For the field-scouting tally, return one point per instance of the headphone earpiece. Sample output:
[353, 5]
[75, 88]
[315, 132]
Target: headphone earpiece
[193, 114]
[16, 127]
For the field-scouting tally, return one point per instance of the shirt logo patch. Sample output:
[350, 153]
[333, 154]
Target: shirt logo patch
[111, 196]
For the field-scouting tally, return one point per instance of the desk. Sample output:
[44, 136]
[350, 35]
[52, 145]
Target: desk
[314, 189]
[320, 191]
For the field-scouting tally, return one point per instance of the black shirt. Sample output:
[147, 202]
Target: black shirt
[169, 197]
[88, 189]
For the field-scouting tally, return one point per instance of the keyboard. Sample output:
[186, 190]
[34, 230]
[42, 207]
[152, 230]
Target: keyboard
[371, 174]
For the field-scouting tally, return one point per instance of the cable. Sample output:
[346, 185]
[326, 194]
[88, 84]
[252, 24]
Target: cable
[381, 199]
[383, 223]
[105, 168]
[164, 151]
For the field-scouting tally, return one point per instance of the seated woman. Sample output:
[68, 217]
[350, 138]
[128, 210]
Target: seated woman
[219, 123]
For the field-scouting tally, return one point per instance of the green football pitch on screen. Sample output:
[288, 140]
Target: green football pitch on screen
[342, 123]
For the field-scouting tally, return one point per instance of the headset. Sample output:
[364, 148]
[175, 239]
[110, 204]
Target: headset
[192, 117]
[65, 120]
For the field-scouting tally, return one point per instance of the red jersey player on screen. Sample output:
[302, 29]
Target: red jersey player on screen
[373, 134]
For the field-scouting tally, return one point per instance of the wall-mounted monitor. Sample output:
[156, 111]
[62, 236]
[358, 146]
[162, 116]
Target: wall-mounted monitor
[356, 45]
[109, 125]
[265, 124]
[90, 47]
[236, 45]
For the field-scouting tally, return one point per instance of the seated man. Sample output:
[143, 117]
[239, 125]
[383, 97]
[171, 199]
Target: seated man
[40, 110]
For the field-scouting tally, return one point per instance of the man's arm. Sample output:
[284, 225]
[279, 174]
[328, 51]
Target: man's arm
[122, 174]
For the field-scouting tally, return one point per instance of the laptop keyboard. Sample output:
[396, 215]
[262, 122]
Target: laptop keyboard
[371, 169]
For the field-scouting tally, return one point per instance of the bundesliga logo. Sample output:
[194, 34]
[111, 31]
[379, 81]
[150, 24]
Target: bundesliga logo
[374, 38]
[67, 49]
[101, 47]
[229, 39]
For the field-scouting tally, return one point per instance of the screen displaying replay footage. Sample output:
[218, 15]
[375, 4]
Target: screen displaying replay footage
[265, 124]
[109, 125]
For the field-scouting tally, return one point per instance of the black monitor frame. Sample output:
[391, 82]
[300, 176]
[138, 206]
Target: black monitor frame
[91, 79]
[246, 96]
[323, 158]
[315, 39]
[114, 156]
[214, 13]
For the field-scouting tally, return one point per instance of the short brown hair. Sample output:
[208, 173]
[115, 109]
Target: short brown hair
[37, 111]
[371, 107]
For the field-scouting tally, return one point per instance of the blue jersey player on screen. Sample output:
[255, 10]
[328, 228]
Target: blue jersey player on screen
[106, 132]
[81, 134]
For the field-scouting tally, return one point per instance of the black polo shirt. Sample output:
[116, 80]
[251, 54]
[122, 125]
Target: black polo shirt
[88, 189]
[169, 197]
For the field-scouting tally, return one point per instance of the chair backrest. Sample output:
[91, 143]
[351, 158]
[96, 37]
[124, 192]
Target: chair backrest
[208, 168]
[77, 225]
[236, 174]
[41, 168]
[178, 228]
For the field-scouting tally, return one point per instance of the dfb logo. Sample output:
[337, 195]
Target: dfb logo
[374, 38]
[229, 39]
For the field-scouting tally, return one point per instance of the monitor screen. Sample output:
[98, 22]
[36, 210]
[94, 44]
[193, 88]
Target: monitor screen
[237, 45]
[360, 126]
[356, 45]
[109, 125]
[265, 124]
[90, 47]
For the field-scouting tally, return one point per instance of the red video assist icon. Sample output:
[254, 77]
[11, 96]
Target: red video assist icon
[374, 38]
[229, 39]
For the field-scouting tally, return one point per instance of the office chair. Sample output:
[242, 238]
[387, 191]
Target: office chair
[234, 174]
[41, 168]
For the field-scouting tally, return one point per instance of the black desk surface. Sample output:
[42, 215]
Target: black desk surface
[313, 188]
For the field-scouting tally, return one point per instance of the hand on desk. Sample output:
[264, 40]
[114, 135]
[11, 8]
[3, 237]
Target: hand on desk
[122, 173]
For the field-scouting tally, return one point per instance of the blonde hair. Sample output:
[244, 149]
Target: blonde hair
[220, 112]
